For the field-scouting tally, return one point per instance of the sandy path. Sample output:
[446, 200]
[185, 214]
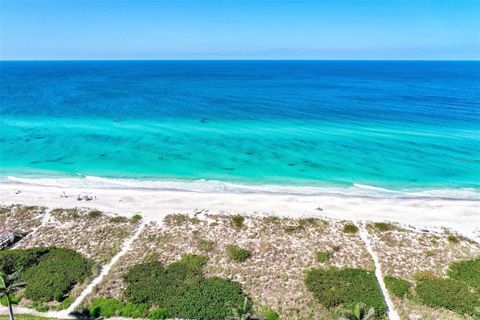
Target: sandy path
[104, 271]
[392, 313]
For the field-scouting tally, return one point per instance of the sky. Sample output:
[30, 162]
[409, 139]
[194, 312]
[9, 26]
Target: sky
[226, 29]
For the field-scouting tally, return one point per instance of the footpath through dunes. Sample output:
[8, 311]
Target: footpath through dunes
[93, 234]
[266, 257]
[410, 256]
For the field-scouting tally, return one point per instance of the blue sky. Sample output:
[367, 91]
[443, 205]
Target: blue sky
[62, 29]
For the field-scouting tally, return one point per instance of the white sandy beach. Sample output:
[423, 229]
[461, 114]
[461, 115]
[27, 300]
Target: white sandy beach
[462, 216]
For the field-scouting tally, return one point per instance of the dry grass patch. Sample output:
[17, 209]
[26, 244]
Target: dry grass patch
[21, 218]
[404, 252]
[89, 232]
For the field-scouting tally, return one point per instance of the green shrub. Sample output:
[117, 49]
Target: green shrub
[333, 287]
[271, 315]
[303, 222]
[452, 239]
[397, 286]
[350, 228]
[42, 308]
[322, 256]
[110, 307]
[467, 272]
[56, 272]
[212, 298]
[131, 310]
[48, 273]
[235, 253]
[205, 245]
[19, 259]
[159, 313]
[64, 304]
[238, 221]
[105, 307]
[384, 226]
[185, 292]
[118, 219]
[449, 294]
[94, 214]
[136, 218]
[194, 262]
[178, 219]
[14, 299]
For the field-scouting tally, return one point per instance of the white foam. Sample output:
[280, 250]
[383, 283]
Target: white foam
[359, 190]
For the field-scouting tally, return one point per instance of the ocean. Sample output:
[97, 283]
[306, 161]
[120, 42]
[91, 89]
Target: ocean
[389, 128]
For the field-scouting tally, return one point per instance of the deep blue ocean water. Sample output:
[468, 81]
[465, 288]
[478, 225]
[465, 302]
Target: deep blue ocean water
[330, 124]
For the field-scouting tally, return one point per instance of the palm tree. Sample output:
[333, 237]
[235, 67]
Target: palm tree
[359, 311]
[8, 286]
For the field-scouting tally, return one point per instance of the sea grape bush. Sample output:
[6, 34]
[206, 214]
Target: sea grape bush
[185, 292]
[397, 286]
[55, 274]
[333, 287]
[448, 293]
[466, 271]
[48, 273]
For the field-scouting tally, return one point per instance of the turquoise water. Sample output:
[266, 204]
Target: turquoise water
[392, 125]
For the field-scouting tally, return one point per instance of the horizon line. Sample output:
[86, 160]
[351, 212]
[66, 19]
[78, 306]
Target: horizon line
[72, 60]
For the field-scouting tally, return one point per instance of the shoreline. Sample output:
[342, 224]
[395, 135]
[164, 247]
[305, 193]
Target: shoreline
[423, 213]
[219, 186]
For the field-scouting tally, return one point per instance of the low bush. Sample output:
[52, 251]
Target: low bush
[64, 304]
[118, 219]
[271, 315]
[467, 272]
[205, 245]
[178, 219]
[105, 307]
[131, 310]
[159, 313]
[136, 218]
[14, 299]
[195, 262]
[333, 287]
[56, 272]
[12, 261]
[48, 273]
[350, 228]
[235, 253]
[308, 222]
[453, 239]
[237, 221]
[110, 307]
[94, 214]
[449, 294]
[185, 292]
[322, 256]
[397, 286]
[384, 226]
